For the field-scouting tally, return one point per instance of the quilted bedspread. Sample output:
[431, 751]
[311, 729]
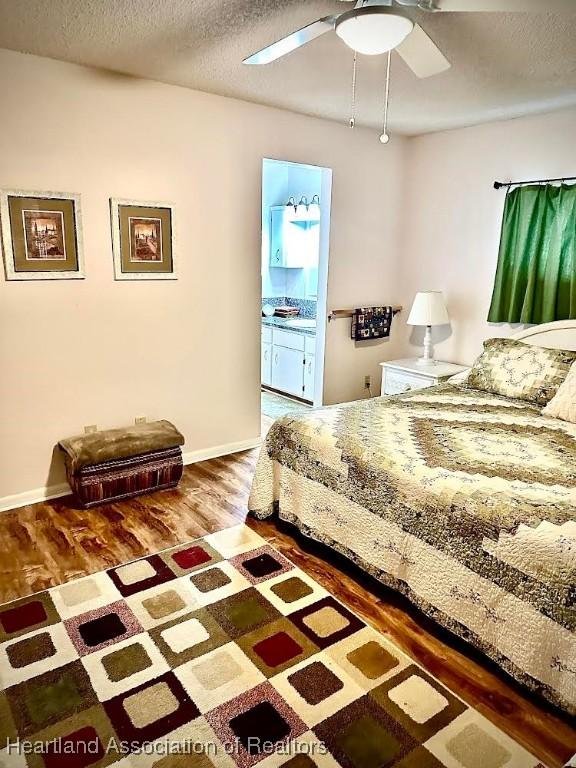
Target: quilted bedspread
[462, 500]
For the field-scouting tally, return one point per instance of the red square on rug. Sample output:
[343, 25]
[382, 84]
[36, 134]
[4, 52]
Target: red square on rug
[277, 649]
[27, 615]
[191, 557]
[76, 750]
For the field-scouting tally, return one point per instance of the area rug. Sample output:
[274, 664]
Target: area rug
[222, 653]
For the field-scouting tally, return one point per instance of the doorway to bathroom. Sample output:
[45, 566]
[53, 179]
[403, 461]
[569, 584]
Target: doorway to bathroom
[295, 250]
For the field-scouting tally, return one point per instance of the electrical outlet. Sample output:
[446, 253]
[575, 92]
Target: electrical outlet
[140, 420]
[90, 428]
[367, 382]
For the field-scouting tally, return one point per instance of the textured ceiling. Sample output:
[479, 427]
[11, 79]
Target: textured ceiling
[503, 64]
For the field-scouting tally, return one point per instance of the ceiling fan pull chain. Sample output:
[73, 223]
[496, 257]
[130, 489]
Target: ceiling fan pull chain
[353, 110]
[384, 137]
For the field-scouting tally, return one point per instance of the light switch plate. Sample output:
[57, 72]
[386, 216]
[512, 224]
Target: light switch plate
[90, 428]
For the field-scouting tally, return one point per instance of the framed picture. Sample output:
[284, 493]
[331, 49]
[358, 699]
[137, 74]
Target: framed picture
[41, 235]
[142, 240]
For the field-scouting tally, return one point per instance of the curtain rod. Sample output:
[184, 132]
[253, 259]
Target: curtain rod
[500, 184]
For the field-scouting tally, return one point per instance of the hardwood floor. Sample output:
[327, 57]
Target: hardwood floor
[49, 543]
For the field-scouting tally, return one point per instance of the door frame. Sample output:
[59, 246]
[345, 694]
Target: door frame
[323, 265]
[322, 295]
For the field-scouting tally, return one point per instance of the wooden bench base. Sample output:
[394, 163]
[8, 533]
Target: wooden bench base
[125, 478]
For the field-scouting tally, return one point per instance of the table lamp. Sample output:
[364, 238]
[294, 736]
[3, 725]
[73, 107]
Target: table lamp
[428, 309]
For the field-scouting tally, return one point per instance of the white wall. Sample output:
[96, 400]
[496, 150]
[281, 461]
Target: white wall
[102, 352]
[452, 217]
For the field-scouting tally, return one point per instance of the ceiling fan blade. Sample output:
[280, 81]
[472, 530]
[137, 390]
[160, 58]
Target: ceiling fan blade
[422, 54]
[550, 6]
[293, 41]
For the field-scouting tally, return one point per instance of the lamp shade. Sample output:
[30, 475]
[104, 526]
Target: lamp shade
[428, 309]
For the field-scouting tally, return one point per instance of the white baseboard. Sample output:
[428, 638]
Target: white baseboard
[34, 496]
[192, 457]
[63, 489]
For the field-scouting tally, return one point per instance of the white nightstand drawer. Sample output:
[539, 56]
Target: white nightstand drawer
[397, 382]
[404, 375]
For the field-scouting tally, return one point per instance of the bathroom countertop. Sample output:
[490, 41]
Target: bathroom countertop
[282, 322]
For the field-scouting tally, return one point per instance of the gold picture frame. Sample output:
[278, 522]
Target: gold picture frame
[142, 240]
[41, 235]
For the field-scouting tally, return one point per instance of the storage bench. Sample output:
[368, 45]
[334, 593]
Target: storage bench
[121, 463]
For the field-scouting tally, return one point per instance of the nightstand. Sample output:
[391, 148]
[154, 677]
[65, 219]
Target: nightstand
[403, 375]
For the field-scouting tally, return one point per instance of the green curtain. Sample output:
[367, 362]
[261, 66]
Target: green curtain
[536, 273]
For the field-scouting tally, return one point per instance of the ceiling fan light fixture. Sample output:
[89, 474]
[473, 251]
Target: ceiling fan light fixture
[373, 30]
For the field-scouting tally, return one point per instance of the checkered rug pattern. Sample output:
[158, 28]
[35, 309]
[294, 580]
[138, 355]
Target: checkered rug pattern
[220, 652]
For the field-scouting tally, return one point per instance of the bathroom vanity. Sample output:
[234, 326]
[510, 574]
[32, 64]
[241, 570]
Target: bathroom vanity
[288, 348]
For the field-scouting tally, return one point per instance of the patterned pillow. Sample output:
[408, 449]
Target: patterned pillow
[514, 369]
[563, 404]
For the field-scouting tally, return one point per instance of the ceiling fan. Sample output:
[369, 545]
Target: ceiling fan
[374, 27]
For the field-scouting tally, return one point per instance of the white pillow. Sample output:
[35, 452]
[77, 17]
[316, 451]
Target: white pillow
[563, 404]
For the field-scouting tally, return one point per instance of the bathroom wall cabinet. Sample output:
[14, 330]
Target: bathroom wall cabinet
[294, 243]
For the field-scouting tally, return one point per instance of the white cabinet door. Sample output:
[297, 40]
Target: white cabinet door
[294, 238]
[266, 363]
[288, 370]
[309, 376]
[277, 236]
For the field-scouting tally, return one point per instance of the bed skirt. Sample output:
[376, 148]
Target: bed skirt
[529, 646]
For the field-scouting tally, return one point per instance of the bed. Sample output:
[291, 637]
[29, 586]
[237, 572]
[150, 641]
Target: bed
[460, 499]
